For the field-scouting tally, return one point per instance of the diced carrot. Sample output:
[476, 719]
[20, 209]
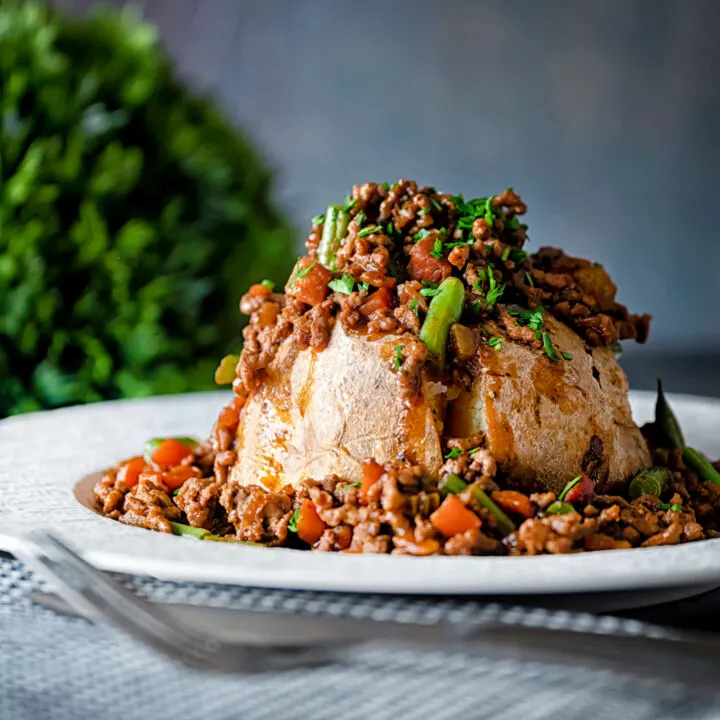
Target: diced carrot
[311, 282]
[175, 477]
[452, 517]
[379, 300]
[513, 501]
[130, 470]
[372, 472]
[424, 547]
[378, 279]
[267, 314]
[309, 525]
[259, 290]
[424, 266]
[171, 452]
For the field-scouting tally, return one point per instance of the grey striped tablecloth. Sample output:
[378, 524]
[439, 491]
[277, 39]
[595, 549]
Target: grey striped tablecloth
[54, 667]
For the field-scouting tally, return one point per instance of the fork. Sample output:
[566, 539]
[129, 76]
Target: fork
[98, 595]
[514, 633]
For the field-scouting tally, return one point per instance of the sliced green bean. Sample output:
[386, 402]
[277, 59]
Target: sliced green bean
[452, 484]
[666, 422]
[701, 465]
[559, 508]
[334, 229]
[445, 309]
[181, 529]
[651, 481]
[503, 523]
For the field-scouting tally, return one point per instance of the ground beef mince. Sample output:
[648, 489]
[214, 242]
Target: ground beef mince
[393, 245]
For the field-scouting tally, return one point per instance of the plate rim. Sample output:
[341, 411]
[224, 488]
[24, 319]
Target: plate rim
[115, 547]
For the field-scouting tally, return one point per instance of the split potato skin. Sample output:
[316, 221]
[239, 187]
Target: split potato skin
[322, 413]
[548, 421]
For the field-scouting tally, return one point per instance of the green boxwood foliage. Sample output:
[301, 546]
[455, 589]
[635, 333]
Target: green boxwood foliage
[132, 216]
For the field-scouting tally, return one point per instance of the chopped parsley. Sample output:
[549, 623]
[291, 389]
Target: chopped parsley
[476, 307]
[424, 211]
[429, 292]
[292, 524]
[356, 484]
[505, 254]
[472, 451]
[491, 394]
[529, 279]
[269, 284]
[471, 210]
[489, 213]
[514, 224]
[550, 348]
[437, 251]
[421, 235]
[495, 342]
[494, 291]
[390, 229]
[454, 453]
[175, 492]
[318, 220]
[530, 318]
[370, 231]
[393, 186]
[398, 357]
[364, 286]
[566, 355]
[413, 305]
[351, 204]
[674, 507]
[305, 271]
[385, 186]
[517, 255]
[436, 204]
[360, 219]
[344, 284]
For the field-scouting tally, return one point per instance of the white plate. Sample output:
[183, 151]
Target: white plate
[44, 455]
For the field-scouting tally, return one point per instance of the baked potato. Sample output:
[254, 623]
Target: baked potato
[546, 421]
[322, 413]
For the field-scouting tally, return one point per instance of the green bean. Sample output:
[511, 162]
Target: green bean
[701, 465]
[559, 508]
[503, 523]
[334, 229]
[452, 484]
[180, 529]
[651, 481]
[666, 422]
[445, 309]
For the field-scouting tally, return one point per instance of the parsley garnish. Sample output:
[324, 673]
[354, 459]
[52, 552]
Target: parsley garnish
[356, 484]
[475, 449]
[413, 305]
[489, 213]
[424, 211]
[514, 224]
[370, 231]
[495, 342]
[421, 235]
[398, 357]
[429, 292]
[292, 524]
[390, 228]
[674, 507]
[505, 254]
[491, 394]
[269, 284]
[437, 251]
[529, 279]
[566, 355]
[364, 286]
[318, 220]
[529, 318]
[360, 219]
[476, 307]
[517, 255]
[175, 492]
[393, 186]
[454, 453]
[436, 204]
[342, 284]
[305, 271]
[494, 291]
[385, 186]
[550, 348]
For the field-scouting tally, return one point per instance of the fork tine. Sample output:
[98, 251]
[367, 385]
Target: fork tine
[103, 595]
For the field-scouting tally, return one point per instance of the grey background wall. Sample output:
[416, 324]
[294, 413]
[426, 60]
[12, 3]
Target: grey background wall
[604, 114]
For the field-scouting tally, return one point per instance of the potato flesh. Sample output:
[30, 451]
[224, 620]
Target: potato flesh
[541, 416]
[322, 413]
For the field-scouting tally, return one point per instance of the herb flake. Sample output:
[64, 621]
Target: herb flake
[437, 251]
[344, 284]
[398, 357]
[549, 347]
[318, 220]
[453, 453]
[495, 342]
[293, 522]
[370, 231]
[413, 305]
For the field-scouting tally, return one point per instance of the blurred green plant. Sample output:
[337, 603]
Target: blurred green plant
[132, 216]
